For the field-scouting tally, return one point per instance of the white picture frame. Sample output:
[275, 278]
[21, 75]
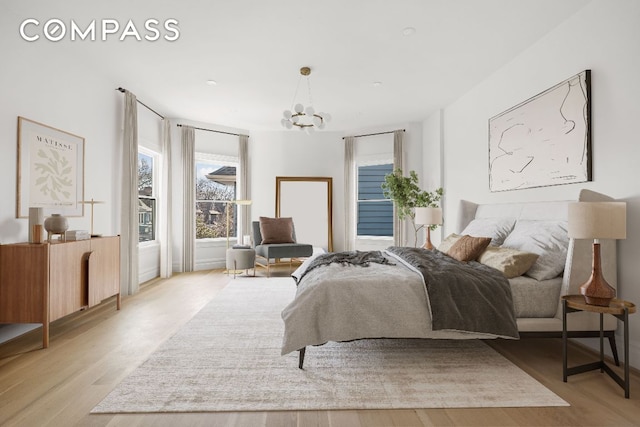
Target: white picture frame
[50, 170]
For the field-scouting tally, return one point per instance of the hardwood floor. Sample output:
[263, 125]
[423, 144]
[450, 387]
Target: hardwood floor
[91, 352]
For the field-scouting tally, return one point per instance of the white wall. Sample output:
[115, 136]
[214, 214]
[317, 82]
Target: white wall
[602, 37]
[57, 89]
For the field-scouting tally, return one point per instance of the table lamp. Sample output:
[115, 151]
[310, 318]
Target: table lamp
[427, 217]
[597, 220]
[91, 202]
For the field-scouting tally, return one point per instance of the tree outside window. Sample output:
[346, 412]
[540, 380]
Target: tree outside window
[215, 190]
[146, 197]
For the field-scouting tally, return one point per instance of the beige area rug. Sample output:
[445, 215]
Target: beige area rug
[227, 358]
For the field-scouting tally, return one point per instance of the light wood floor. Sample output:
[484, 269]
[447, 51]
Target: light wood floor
[91, 352]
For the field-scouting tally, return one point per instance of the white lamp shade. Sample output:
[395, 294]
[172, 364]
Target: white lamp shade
[428, 216]
[598, 220]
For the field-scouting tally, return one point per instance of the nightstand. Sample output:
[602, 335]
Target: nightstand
[618, 308]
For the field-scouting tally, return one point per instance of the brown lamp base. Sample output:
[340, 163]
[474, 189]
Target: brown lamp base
[597, 291]
[428, 245]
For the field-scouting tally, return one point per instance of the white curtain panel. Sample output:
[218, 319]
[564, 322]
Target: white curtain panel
[243, 188]
[166, 256]
[129, 213]
[398, 225]
[189, 194]
[349, 194]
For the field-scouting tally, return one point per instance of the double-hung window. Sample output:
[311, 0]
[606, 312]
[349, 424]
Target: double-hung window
[148, 163]
[375, 213]
[216, 212]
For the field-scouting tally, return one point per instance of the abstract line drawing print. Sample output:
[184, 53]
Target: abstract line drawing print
[543, 141]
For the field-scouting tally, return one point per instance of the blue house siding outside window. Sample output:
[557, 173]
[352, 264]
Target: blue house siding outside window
[375, 213]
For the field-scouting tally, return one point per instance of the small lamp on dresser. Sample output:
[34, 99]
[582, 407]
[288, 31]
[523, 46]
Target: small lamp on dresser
[427, 217]
[597, 220]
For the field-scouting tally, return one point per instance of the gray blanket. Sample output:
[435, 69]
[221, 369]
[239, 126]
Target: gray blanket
[463, 296]
[355, 258]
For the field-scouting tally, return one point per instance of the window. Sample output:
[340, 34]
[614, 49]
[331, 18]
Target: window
[215, 192]
[375, 213]
[147, 190]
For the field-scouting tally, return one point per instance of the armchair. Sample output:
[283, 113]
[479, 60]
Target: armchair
[265, 252]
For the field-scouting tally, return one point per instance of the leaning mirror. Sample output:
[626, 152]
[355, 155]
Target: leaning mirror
[308, 200]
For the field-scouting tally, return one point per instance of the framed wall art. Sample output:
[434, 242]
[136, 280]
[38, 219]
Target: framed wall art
[545, 140]
[50, 170]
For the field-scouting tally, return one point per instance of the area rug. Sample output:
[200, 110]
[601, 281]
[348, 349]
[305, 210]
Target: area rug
[227, 358]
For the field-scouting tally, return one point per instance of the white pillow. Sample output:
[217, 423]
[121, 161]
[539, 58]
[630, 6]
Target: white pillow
[496, 228]
[548, 239]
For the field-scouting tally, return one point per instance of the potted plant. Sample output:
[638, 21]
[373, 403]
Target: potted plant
[407, 195]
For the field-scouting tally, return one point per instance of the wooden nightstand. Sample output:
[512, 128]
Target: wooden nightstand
[618, 308]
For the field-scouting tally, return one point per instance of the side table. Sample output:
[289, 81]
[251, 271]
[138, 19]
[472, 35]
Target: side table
[618, 308]
[241, 259]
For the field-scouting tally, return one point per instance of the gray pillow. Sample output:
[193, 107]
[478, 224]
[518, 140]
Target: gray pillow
[548, 239]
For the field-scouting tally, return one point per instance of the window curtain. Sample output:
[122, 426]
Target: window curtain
[243, 188]
[129, 212]
[166, 257]
[349, 194]
[189, 194]
[398, 225]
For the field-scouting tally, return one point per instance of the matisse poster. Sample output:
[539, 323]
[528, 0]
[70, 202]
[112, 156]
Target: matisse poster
[50, 170]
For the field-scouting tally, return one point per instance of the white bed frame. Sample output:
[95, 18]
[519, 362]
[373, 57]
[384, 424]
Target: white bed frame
[577, 268]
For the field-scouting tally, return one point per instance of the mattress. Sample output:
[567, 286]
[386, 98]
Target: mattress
[533, 298]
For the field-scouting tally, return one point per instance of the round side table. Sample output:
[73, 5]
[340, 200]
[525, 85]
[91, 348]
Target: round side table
[241, 259]
[618, 308]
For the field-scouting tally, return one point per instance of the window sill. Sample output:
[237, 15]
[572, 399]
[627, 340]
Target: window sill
[148, 244]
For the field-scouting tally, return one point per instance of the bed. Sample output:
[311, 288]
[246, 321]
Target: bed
[343, 302]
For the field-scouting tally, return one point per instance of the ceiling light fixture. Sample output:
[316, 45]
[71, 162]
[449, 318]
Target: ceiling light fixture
[304, 118]
[212, 82]
[377, 84]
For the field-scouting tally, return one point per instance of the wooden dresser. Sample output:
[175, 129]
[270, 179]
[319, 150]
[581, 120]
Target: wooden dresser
[40, 283]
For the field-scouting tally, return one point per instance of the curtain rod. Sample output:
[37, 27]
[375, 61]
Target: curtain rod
[372, 134]
[143, 104]
[216, 131]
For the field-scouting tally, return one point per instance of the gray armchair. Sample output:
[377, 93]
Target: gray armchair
[276, 251]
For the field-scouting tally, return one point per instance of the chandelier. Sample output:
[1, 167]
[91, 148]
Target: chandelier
[304, 118]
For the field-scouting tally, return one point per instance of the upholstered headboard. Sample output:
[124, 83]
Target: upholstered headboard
[579, 257]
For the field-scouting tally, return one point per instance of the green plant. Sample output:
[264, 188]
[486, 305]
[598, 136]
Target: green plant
[406, 194]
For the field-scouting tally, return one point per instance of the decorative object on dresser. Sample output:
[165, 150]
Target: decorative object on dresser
[76, 235]
[36, 224]
[597, 220]
[40, 283]
[427, 217]
[56, 224]
[92, 202]
[545, 140]
[50, 170]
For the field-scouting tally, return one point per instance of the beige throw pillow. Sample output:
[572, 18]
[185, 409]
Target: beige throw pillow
[446, 244]
[510, 262]
[276, 230]
[468, 248]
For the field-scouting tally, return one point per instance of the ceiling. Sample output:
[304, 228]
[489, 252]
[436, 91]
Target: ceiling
[254, 50]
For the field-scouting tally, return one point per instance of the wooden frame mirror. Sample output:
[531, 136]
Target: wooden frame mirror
[308, 200]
